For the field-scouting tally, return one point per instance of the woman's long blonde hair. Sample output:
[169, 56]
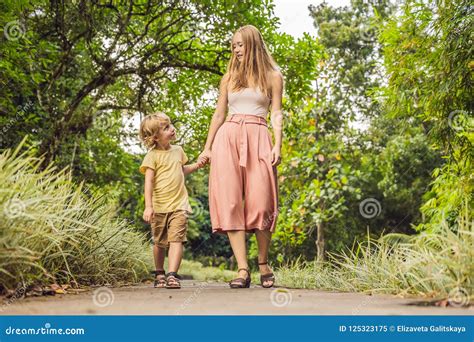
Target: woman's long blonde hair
[257, 63]
[150, 129]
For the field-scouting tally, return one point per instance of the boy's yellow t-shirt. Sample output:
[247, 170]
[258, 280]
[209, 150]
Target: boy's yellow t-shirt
[169, 192]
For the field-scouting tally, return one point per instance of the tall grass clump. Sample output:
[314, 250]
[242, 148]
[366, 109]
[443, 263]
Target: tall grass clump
[428, 264]
[52, 230]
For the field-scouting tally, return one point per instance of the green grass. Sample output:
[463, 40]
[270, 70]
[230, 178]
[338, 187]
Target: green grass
[204, 273]
[51, 230]
[426, 264]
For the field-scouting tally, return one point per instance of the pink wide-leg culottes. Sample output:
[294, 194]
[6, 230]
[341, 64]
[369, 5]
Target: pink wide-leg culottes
[243, 189]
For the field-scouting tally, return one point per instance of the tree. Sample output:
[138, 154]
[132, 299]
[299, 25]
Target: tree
[428, 55]
[76, 60]
[77, 70]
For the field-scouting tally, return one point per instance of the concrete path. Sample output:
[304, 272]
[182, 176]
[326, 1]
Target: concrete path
[200, 298]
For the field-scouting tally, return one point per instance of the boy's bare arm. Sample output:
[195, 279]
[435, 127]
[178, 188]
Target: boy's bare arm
[187, 169]
[149, 179]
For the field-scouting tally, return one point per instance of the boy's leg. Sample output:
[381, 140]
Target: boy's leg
[159, 247]
[160, 239]
[159, 254]
[175, 255]
[177, 229]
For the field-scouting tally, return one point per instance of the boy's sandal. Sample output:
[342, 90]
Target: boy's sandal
[172, 281]
[266, 278]
[240, 283]
[160, 278]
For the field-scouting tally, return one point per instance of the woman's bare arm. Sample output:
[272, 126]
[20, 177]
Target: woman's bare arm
[276, 112]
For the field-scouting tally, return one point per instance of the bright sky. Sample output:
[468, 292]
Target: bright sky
[294, 15]
[295, 20]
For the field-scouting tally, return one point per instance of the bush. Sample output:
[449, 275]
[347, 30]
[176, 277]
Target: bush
[429, 264]
[52, 230]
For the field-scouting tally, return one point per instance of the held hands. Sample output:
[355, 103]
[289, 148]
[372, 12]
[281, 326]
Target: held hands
[148, 214]
[201, 162]
[190, 168]
[205, 157]
[276, 156]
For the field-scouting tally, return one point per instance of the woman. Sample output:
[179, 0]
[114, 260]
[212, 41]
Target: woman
[243, 194]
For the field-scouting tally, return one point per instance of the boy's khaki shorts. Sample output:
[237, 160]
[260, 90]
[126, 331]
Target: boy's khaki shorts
[169, 227]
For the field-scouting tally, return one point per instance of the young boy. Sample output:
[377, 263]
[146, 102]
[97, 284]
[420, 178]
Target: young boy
[166, 198]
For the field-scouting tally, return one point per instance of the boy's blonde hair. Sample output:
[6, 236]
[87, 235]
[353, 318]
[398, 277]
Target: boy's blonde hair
[256, 64]
[150, 128]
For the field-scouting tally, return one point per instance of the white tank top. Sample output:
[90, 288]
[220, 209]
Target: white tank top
[248, 101]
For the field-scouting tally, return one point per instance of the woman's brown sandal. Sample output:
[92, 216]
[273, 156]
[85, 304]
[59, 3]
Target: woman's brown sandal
[265, 278]
[172, 281]
[160, 278]
[240, 283]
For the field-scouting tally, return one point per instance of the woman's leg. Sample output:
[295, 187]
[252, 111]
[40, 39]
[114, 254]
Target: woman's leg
[226, 181]
[237, 242]
[263, 241]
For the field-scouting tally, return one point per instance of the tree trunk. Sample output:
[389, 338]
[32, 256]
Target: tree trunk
[321, 253]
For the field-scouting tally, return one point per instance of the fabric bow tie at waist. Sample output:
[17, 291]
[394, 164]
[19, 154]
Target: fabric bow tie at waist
[243, 120]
